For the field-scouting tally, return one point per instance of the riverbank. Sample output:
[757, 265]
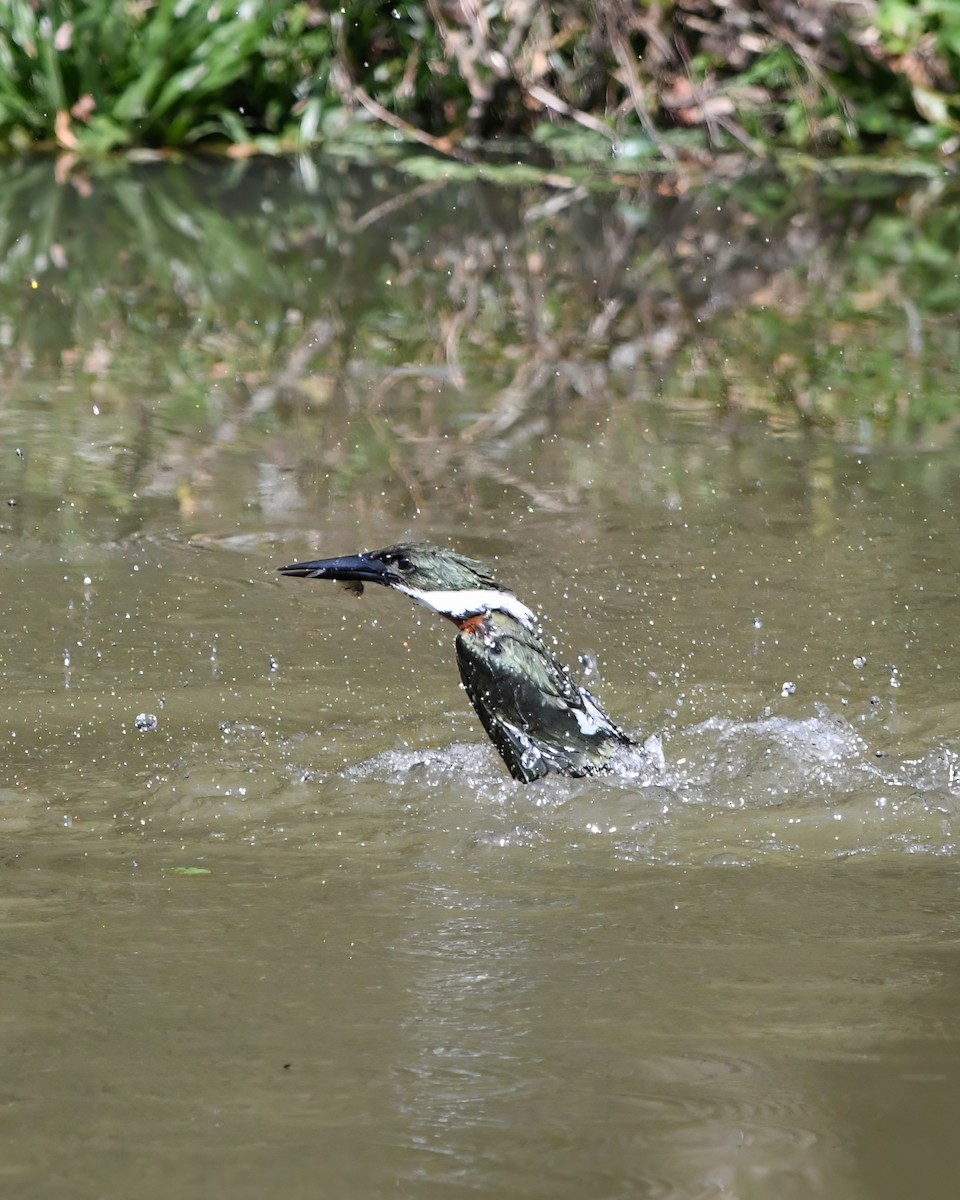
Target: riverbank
[675, 80]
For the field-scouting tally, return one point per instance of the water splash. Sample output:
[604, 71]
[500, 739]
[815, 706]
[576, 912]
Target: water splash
[726, 792]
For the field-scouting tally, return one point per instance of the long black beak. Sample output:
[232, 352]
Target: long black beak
[354, 568]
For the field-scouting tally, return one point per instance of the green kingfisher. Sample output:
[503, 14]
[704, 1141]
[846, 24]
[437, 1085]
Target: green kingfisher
[538, 718]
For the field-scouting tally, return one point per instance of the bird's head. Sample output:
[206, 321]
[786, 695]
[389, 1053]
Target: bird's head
[442, 579]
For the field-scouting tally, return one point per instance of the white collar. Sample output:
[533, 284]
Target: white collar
[470, 602]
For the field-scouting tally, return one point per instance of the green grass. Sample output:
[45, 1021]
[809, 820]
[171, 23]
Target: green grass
[98, 76]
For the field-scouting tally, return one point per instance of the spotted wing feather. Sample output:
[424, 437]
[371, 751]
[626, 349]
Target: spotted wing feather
[537, 717]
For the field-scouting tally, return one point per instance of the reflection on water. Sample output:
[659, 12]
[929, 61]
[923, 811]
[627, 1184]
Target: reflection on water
[404, 973]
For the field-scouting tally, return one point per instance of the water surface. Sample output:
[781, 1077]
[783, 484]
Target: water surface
[306, 932]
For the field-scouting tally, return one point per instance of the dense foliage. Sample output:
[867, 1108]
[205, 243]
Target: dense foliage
[818, 75]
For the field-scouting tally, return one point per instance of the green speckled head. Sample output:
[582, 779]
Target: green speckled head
[435, 568]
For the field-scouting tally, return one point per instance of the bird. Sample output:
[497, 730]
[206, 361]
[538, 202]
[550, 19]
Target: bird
[539, 719]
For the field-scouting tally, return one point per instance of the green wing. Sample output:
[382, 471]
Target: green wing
[536, 716]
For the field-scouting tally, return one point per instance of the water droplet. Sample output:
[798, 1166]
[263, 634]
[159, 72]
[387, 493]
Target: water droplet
[530, 758]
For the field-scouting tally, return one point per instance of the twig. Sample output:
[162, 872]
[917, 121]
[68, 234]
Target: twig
[628, 67]
[555, 104]
[442, 145]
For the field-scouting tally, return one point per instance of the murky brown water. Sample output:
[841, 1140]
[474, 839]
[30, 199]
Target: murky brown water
[401, 973]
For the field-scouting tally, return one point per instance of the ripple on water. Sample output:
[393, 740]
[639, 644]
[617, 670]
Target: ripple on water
[671, 1125]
